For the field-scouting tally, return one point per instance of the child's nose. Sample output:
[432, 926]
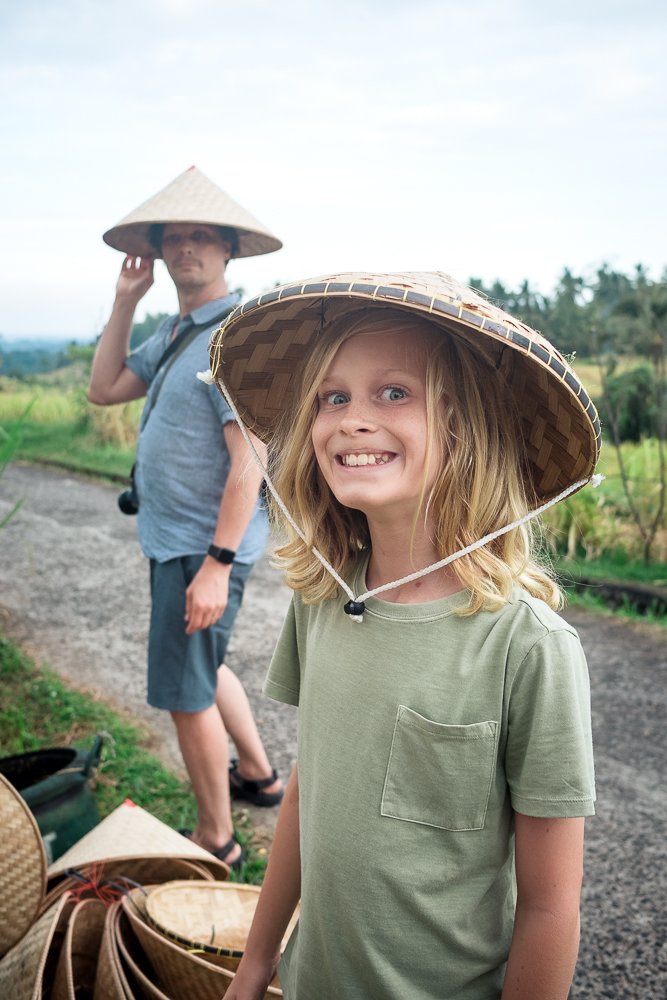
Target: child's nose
[356, 418]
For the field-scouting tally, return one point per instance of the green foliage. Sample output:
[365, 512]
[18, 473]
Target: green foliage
[142, 330]
[25, 362]
[596, 524]
[589, 600]
[80, 352]
[608, 313]
[10, 437]
[67, 443]
[632, 397]
[39, 710]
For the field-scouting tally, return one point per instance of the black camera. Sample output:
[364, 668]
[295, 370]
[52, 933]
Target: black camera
[128, 500]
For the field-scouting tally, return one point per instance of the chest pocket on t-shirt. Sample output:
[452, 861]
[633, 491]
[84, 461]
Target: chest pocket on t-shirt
[439, 775]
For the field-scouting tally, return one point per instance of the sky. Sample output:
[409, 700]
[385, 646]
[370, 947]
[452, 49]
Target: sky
[500, 139]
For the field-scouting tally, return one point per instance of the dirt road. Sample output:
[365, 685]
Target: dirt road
[73, 593]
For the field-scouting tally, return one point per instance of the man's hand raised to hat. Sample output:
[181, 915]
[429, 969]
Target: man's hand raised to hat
[136, 277]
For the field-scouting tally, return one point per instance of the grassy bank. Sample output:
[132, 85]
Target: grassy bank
[39, 710]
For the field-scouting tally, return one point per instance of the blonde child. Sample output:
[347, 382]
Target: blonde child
[433, 826]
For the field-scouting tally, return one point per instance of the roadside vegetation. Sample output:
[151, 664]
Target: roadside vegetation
[40, 710]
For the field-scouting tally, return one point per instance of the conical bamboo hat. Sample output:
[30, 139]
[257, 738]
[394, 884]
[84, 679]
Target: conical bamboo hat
[258, 350]
[131, 833]
[191, 197]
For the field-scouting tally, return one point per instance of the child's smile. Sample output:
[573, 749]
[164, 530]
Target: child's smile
[364, 458]
[370, 432]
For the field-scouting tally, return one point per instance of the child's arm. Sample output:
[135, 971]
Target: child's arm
[277, 902]
[549, 871]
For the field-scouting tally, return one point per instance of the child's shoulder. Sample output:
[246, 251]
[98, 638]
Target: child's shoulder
[534, 613]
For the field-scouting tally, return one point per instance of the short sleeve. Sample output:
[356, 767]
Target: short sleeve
[220, 405]
[283, 681]
[144, 359]
[549, 754]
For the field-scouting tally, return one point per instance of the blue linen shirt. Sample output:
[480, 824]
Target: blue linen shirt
[182, 460]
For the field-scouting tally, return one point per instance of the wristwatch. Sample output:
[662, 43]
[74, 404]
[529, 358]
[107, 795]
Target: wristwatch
[225, 556]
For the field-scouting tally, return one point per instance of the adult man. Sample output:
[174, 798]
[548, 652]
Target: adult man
[200, 522]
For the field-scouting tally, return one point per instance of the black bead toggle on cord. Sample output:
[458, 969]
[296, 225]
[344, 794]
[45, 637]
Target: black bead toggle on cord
[354, 608]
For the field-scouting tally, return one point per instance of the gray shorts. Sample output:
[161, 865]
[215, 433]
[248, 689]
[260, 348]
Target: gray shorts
[183, 669]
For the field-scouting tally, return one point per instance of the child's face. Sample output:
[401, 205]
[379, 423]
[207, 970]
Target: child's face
[370, 432]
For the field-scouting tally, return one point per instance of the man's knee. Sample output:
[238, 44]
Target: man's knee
[190, 719]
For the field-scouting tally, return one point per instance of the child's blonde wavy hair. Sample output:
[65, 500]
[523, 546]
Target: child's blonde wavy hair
[481, 485]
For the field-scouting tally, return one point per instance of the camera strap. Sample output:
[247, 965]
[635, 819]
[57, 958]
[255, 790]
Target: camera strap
[172, 351]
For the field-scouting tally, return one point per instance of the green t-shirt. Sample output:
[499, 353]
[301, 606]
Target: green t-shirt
[419, 734]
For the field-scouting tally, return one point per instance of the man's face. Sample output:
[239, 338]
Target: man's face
[195, 254]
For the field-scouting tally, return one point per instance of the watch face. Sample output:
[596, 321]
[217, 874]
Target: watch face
[222, 555]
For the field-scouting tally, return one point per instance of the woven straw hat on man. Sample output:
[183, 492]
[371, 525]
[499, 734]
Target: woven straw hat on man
[191, 197]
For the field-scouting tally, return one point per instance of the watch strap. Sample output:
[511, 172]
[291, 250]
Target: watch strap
[225, 556]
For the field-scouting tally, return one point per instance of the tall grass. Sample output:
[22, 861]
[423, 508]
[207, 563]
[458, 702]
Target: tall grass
[64, 427]
[596, 523]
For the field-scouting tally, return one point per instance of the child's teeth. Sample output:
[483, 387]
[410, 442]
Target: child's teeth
[363, 459]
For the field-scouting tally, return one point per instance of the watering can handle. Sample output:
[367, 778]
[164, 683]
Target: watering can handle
[93, 758]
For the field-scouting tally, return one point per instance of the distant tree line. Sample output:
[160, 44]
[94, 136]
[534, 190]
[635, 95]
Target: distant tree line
[606, 318]
[24, 362]
[613, 312]
[611, 317]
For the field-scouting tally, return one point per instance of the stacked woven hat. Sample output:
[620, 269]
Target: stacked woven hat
[116, 917]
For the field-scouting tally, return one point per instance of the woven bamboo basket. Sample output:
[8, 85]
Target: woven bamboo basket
[182, 974]
[213, 918]
[28, 970]
[140, 972]
[111, 982]
[22, 867]
[77, 963]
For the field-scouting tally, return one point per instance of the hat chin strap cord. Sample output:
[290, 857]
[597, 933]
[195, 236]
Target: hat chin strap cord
[355, 607]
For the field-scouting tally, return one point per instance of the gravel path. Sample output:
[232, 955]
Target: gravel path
[73, 593]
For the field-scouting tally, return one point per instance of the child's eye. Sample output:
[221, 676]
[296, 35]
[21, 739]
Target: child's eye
[393, 393]
[334, 398]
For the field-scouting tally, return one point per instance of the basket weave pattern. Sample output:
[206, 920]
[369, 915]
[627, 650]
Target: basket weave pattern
[22, 867]
[258, 350]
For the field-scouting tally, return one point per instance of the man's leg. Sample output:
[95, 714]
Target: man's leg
[182, 677]
[238, 720]
[202, 738]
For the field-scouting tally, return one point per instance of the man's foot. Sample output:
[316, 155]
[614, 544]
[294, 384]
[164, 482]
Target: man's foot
[264, 792]
[231, 853]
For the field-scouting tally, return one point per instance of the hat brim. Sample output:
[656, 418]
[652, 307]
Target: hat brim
[132, 239]
[258, 349]
[190, 198]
